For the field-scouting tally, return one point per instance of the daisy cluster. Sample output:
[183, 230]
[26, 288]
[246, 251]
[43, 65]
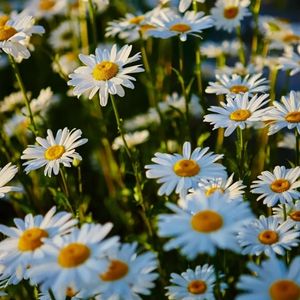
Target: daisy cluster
[186, 190]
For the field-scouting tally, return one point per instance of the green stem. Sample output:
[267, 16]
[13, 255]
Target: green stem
[240, 152]
[255, 11]
[297, 147]
[22, 87]
[93, 24]
[273, 79]
[181, 56]
[83, 28]
[64, 182]
[51, 294]
[242, 55]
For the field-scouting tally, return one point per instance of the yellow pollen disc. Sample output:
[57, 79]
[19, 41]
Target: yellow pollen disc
[116, 270]
[280, 185]
[284, 290]
[73, 255]
[180, 27]
[268, 237]
[31, 239]
[206, 221]
[197, 287]
[3, 20]
[231, 12]
[136, 20]
[240, 115]
[54, 152]
[6, 32]
[293, 117]
[46, 4]
[70, 292]
[71, 56]
[291, 38]
[295, 215]
[105, 70]
[236, 89]
[146, 27]
[186, 168]
[211, 190]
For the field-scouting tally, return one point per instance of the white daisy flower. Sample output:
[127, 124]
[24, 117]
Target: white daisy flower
[132, 139]
[25, 242]
[17, 125]
[268, 25]
[268, 236]
[213, 49]
[10, 102]
[46, 8]
[183, 172]
[235, 84]
[7, 173]
[127, 276]
[281, 185]
[193, 285]
[73, 260]
[239, 69]
[291, 61]
[292, 211]
[284, 38]
[233, 191]
[185, 4]
[272, 280]
[288, 141]
[239, 112]
[105, 73]
[228, 14]
[284, 114]
[142, 120]
[169, 25]
[203, 224]
[66, 63]
[15, 32]
[53, 151]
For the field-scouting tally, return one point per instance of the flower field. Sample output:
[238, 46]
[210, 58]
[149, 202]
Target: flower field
[149, 150]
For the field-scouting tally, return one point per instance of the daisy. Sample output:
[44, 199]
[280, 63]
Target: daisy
[234, 191]
[132, 139]
[291, 211]
[235, 84]
[66, 63]
[53, 151]
[12, 101]
[168, 25]
[46, 8]
[272, 280]
[105, 73]
[127, 276]
[281, 185]
[268, 236]
[193, 285]
[288, 141]
[239, 69]
[228, 14]
[270, 25]
[291, 61]
[7, 173]
[183, 172]
[285, 114]
[239, 112]
[185, 4]
[142, 120]
[203, 224]
[25, 242]
[15, 32]
[73, 260]
[213, 50]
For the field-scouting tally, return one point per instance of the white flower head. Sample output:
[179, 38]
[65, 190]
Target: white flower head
[291, 61]
[228, 14]
[53, 151]
[168, 25]
[239, 112]
[185, 4]
[195, 284]
[105, 73]
[183, 172]
[132, 139]
[203, 224]
[25, 242]
[291, 211]
[281, 185]
[268, 236]
[7, 173]
[46, 8]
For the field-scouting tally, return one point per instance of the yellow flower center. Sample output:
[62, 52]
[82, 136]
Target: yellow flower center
[3, 20]
[211, 190]
[295, 215]
[105, 70]
[284, 290]
[268, 237]
[46, 4]
[236, 89]
[146, 27]
[240, 115]
[206, 221]
[136, 20]
[116, 270]
[231, 12]
[280, 185]
[31, 239]
[6, 32]
[291, 38]
[293, 117]
[73, 255]
[186, 168]
[197, 287]
[70, 292]
[71, 56]
[180, 27]
[54, 152]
